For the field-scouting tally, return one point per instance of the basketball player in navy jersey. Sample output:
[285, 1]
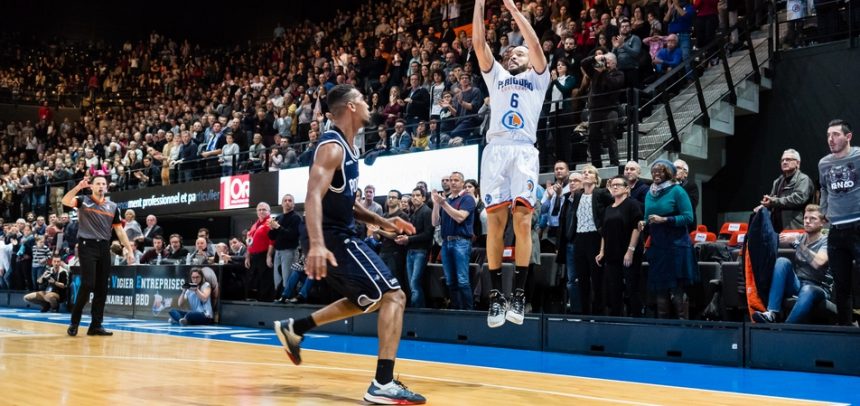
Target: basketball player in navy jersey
[336, 253]
[509, 164]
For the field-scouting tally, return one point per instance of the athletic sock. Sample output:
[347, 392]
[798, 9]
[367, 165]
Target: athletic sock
[384, 371]
[496, 279]
[520, 275]
[302, 326]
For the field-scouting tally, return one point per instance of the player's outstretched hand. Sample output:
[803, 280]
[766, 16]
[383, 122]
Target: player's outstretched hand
[317, 261]
[401, 226]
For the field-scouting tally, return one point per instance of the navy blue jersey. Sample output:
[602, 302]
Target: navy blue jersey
[338, 201]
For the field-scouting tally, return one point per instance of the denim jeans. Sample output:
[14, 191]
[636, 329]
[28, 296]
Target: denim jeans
[843, 247]
[193, 318]
[227, 170]
[572, 284]
[293, 281]
[686, 44]
[416, 260]
[455, 262]
[785, 283]
[283, 261]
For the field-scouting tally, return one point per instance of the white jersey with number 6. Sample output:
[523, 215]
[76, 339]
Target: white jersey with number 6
[515, 102]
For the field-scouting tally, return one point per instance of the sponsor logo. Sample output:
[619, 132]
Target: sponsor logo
[488, 199]
[512, 120]
[513, 81]
[235, 192]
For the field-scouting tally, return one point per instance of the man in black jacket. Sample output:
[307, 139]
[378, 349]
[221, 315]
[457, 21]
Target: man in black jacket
[417, 246]
[393, 254]
[187, 158]
[606, 83]
[417, 101]
[284, 231]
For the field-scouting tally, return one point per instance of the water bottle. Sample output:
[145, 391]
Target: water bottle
[158, 260]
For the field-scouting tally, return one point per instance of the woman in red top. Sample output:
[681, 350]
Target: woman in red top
[706, 21]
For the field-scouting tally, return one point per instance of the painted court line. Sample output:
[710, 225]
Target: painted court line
[128, 325]
[320, 367]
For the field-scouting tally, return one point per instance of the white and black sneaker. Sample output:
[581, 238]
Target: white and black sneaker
[498, 308]
[289, 339]
[764, 317]
[517, 312]
[392, 393]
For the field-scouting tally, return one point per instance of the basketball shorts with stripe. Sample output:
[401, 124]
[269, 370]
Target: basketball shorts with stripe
[361, 276]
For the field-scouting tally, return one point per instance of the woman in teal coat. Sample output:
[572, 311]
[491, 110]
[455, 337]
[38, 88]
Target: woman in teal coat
[671, 265]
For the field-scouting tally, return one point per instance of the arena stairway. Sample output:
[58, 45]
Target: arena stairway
[702, 142]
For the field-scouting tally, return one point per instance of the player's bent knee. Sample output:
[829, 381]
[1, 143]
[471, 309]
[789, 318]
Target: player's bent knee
[397, 296]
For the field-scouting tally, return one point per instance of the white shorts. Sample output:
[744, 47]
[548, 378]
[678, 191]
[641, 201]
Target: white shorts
[509, 172]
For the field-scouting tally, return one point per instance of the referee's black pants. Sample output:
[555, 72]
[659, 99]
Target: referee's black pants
[95, 269]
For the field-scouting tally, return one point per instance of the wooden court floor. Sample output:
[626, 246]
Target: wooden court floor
[40, 365]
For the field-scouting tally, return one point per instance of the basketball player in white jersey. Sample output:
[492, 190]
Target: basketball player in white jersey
[509, 165]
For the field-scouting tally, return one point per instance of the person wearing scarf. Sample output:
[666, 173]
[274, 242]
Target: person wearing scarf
[668, 212]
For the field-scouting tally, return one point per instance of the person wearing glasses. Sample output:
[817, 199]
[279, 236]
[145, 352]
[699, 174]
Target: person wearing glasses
[668, 214]
[682, 176]
[620, 251]
[791, 192]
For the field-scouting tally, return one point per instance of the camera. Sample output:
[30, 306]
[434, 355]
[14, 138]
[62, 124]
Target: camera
[599, 64]
[188, 285]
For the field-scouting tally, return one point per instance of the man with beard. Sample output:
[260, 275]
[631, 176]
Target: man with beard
[509, 166]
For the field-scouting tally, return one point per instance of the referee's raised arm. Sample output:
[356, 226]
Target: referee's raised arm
[69, 198]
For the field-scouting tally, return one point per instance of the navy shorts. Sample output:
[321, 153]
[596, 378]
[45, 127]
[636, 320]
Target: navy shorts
[360, 275]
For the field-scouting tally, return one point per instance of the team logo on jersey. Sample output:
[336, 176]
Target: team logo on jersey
[512, 120]
[842, 178]
[530, 185]
[488, 198]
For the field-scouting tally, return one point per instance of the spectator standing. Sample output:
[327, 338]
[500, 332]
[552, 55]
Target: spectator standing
[606, 81]
[668, 214]
[417, 246]
[791, 193]
[840, 204]
[455, 215]
[620, 251]
[258, 261]
[391, 253]
[284, 231]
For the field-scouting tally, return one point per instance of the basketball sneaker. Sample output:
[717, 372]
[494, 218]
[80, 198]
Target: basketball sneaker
[392, 393]
[498, 307]
[517, 312]
[289, 339]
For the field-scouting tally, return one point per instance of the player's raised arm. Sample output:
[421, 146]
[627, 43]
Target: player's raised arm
[536, 57]
[479, 38]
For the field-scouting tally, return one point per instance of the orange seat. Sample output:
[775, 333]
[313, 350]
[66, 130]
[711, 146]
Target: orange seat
[737, 239]
[703, 228]
[730, 228]
[702, 236]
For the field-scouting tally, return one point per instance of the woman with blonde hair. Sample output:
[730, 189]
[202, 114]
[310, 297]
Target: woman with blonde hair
[585, 219]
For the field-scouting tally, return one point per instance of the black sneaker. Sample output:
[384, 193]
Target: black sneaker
[764, 317]
[517, 312]
[289, 339]
[498, 307]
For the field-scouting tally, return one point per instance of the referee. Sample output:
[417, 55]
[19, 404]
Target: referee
[96, 216]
